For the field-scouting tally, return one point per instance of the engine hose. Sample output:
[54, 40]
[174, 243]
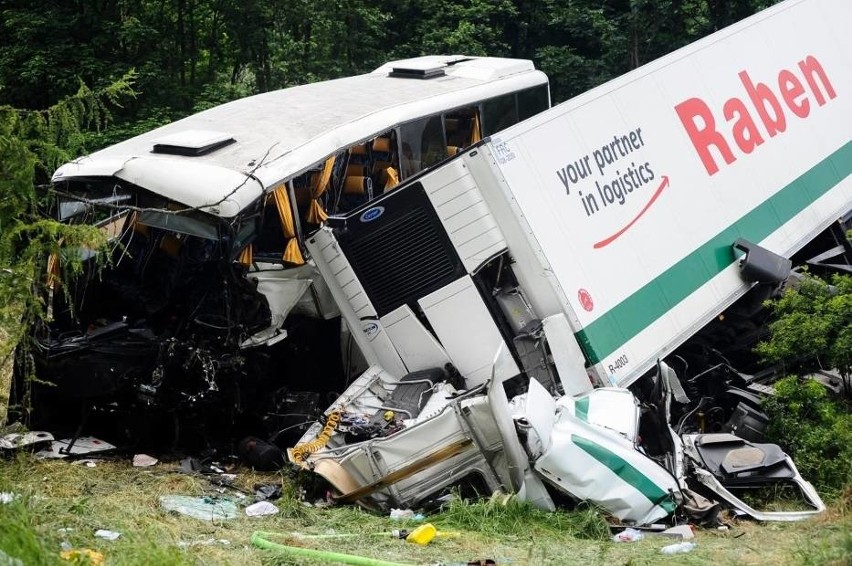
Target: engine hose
[300, 451]
[257, 539]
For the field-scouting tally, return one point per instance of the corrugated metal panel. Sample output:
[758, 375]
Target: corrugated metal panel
[464, 214]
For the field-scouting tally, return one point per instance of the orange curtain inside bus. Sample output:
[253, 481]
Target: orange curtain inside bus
[292, 253]
[247, 255]
[475, 131]
[319, 184]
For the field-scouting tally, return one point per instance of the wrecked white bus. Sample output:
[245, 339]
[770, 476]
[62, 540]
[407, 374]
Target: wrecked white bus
[615, 250]
[208, 309]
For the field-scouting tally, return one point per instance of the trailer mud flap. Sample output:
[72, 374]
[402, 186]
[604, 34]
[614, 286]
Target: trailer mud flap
[724, 462]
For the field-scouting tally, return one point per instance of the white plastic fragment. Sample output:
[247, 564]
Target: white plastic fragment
[7, 497]
[83, 445]
[261, 508]
[17, 440]
[679, 548]
[107, 535]
[685, 532]
[628, 535]
[143, 461]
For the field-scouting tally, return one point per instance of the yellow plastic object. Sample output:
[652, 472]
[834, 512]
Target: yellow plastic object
[423, 534]
[302, 450]
[83, 556]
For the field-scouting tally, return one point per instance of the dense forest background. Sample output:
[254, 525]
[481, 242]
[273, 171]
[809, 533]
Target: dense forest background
[192, 54]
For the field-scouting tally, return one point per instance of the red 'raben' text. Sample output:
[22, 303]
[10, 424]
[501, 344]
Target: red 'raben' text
[700, 122]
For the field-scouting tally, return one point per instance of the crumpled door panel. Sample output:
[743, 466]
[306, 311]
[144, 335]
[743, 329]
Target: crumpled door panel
[722, 462]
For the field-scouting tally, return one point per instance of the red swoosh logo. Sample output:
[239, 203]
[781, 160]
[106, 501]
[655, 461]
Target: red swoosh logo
[654, 197]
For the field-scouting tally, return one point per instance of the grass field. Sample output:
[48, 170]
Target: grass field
[62, 502]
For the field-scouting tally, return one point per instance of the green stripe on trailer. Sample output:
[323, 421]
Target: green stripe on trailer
[626, 472]
[581, 409]
[632, 315]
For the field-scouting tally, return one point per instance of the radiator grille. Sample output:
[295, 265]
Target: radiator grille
[404, 255]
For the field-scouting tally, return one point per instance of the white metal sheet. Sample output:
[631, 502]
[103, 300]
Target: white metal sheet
[466, 329]
[415, 345]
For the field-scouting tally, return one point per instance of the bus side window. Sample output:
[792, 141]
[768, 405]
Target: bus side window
[385, 170]
[532, 101]
[422, 144]
[498, 114]
[462, 127]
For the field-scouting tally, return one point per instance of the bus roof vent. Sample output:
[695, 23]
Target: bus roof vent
[415, 71]
[193, 142]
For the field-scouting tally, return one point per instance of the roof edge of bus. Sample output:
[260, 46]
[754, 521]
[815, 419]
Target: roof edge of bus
[462, 66]
[226, 191]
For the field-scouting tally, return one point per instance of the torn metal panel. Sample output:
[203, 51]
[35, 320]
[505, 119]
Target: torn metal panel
[601, 465]
[612, 408]
[724, 463]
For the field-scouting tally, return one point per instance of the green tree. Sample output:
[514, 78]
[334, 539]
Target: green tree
[812, 327]
[33, 143]
[815, 430]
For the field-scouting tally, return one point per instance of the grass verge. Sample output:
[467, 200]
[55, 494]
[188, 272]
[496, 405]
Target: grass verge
[62, 502]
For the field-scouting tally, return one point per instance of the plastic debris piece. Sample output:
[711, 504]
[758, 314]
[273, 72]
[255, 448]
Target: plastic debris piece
[685, 532]
[83, 445]
[87, 462]
[628, 535]
[19, 440]
[107, 535]
[83, 556]
[7, 497]
[269, 491]
[423, 534]
[402, 514]
[143, 461]
[195, 466]
[261, 508]
[679, 548]
[203, 508]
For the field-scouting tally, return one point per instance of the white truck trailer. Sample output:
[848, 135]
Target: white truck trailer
[589, 242]
[619, 210]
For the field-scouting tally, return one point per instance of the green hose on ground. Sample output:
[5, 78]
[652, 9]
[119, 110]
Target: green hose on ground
[257, 539]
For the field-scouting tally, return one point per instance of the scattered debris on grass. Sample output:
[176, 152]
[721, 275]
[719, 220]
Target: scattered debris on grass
[204, 508]
[144, 461]
[107, 535]
[261, 508]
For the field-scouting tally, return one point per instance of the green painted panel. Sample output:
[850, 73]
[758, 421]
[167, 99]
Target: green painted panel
[623, 469]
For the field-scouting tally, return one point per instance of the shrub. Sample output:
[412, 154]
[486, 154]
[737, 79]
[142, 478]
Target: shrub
[815, 430]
